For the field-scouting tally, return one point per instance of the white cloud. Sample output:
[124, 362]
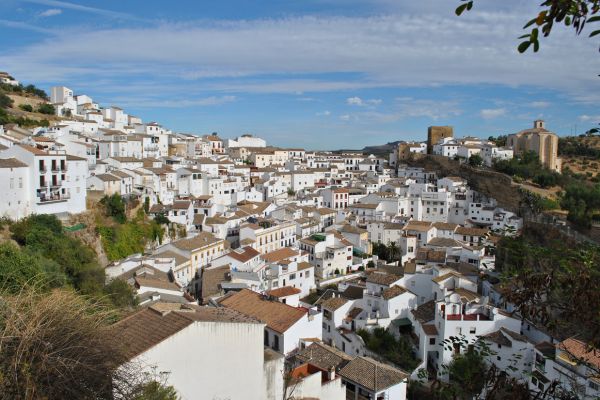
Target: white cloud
[198, 102]
[354, 101]
[491, 113]
[324, 113]
[357, 101]
[345, 117]
[540, 104]
[307, 54]
[589, 118]
[50, 12]
[82, 8]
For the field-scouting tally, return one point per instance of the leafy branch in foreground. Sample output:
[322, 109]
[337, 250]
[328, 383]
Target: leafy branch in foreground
[571, 13]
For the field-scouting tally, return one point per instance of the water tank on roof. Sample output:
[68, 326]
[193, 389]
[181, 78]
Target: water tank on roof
[454, 298]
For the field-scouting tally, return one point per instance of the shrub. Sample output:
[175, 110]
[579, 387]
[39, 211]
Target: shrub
[46, 108]
[5, 101]
[26, 107]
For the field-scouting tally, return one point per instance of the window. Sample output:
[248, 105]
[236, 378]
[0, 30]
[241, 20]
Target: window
[432, 340]
[594, 385]
[276, 342]
[472, 330]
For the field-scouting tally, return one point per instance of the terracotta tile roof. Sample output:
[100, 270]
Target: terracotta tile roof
[303, 265]
[203, 239]
[108, 178]
[430, 329]
[71, 157]
[443, 242]
[353, 313]
[179, 259]
[381, 278]
[353, 292]
[323, 356]
[11, 163]
[502, 336]
[280, 254]
[372, 374]
[425, 312]
[243, 255]
[334, 303]
[462, 230]
[278, 316]
[438, 256]
[284, 291]
[146, 328]
[156, 283]
[211, 281]
[580, 352]
[466, 294]
[450, 274]
[393, 291]
[420, 226]
[33, 150]
[181, 204]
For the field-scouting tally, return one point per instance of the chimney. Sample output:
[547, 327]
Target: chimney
[538, 124]
[331, 373]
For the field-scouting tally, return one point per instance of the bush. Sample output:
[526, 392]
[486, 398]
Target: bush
[114, 206]
[5, 101]
[26, 107]
[46, 108]
[397, 351]
[475, 160]
[43, 236]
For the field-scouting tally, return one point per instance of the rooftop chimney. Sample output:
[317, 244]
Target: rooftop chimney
[538, 124]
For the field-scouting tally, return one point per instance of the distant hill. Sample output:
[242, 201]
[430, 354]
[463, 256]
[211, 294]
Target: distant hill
[383, 149]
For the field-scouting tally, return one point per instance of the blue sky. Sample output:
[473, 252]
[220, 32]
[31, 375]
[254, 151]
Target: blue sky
[314, 73]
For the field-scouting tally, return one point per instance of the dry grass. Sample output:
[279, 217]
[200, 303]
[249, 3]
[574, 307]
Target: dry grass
[59, 345]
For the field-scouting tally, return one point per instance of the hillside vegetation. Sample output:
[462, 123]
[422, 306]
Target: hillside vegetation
[26, 106]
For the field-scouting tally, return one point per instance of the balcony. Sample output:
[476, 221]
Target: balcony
[53, 198]
[43, 170]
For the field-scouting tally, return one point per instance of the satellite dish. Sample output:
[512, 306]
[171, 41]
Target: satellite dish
[454, 298]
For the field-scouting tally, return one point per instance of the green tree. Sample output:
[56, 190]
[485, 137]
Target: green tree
[392, 251]
[475, 160]
[121, 294]
[26, 107]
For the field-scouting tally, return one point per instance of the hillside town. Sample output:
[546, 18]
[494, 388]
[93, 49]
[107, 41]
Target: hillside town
[276, 276]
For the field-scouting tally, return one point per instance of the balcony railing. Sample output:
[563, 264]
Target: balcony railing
[43, 170]
[53, 198]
